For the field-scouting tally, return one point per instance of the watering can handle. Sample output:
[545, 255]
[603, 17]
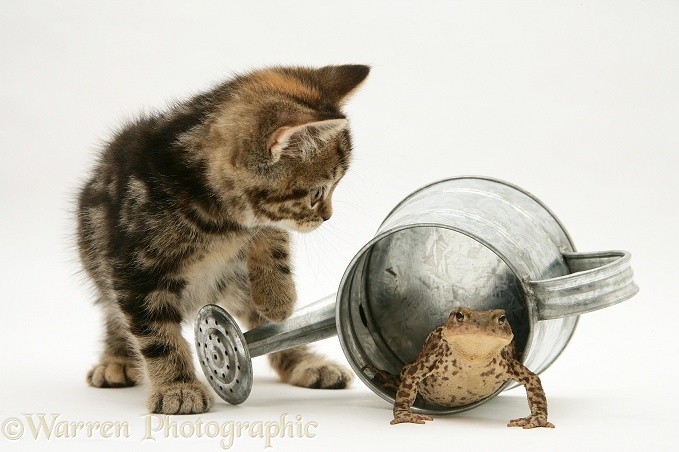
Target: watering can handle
[596, 280]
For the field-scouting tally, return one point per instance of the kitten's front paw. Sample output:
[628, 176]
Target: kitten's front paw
[274, 297]
[180, 398]
[277, 313]
[274, 304]
[320, 374]
[114, 373]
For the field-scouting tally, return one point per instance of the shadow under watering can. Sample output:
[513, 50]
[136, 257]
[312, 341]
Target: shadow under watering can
[468, 241]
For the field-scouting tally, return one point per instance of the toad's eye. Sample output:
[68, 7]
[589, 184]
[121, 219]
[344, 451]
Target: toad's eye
[501, 320]
[315, 195]
[459, 316]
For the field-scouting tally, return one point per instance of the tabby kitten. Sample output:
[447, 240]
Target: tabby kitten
[193, 206]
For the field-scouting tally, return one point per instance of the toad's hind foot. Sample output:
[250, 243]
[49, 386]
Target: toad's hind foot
[388, 380]
[531, 422]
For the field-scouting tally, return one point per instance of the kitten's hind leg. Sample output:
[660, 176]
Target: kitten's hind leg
[119, 364]
[302, 367]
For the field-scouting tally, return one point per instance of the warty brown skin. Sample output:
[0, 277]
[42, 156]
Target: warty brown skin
[463, 361]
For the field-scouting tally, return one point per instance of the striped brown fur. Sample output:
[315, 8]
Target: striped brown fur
[193, 206]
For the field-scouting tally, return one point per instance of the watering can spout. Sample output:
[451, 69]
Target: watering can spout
[311, 323]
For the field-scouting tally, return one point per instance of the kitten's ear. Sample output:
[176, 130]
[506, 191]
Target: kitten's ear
[339, 82]
[303, 140]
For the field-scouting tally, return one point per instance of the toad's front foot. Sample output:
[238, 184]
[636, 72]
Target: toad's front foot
[531, 422]
[408, 416]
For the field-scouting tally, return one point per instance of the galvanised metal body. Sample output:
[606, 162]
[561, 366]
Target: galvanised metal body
[468, 241]
[479, 243]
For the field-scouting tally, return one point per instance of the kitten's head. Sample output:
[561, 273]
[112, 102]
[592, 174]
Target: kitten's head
[287, 143]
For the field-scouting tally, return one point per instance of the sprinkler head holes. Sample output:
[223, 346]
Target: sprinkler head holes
[223, 354]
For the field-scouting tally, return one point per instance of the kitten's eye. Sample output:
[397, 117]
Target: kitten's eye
[315, 195]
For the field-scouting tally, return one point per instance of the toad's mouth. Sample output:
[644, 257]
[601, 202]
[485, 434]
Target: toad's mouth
[478, 346]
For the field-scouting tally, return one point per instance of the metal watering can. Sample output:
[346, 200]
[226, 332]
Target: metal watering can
[467, 241]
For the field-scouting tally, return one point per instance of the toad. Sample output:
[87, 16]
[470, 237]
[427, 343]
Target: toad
[462, 361]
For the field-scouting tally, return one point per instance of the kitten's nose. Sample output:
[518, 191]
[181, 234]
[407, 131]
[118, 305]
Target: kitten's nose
[326, 211]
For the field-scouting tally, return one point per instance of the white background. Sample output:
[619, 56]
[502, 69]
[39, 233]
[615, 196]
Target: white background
[577, 102]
